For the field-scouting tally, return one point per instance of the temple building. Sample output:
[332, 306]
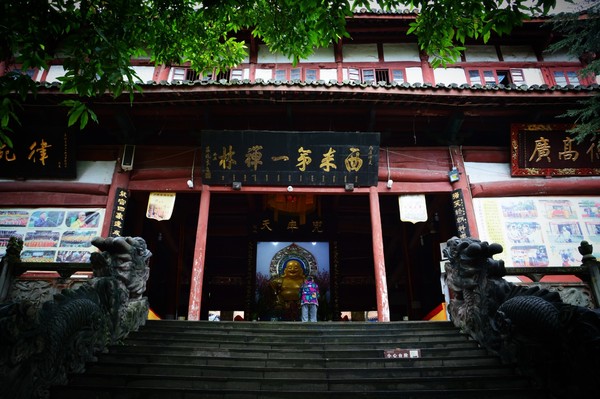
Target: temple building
[354, 166]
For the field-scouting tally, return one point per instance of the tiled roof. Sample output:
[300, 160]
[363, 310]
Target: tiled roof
[373, 87]
[382, 84]
[562, 6]
[379, 11]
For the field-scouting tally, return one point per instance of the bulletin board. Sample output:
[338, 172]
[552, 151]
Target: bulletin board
[539, 231]
[52, 234]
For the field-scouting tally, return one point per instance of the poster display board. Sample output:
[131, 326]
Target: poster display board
[539, 231]
[52, 234]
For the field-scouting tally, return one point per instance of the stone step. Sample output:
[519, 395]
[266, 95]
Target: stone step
[308, 370]
[474, 360]
[245, 337]
[412, 342]
[342, 351]
[309, 384]
[117, 392]
[295, 327]
[187, 360]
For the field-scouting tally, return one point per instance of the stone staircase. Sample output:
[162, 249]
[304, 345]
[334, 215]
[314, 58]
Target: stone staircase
[186, 360]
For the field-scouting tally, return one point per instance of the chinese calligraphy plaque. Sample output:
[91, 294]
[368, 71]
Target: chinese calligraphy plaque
[460, 213]
[39, 154]
[117, 219]
[549, 150]
[290, 158]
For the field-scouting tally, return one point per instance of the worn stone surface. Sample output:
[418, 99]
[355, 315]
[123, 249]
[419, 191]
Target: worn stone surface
[42, 342]
[557, 342]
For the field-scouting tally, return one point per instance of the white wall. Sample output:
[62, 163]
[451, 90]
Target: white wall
[533, 76]
[558, 57]
[482, 172]
[414, 75]
[328, 74]
[360, 53]
[265, 56]
[401, 52]
[94, 172]
[264, 74]
[99, 172]
[145, 73]
[321, 55]
[518, 53]
[54, 72]
[481, 53]
[449, 75]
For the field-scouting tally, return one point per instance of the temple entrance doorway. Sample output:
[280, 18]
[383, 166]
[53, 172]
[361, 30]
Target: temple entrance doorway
[172, 245]
[413, 256]
[241, 223]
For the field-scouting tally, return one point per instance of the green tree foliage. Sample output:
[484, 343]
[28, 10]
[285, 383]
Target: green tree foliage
[581, 39]
[96, 39]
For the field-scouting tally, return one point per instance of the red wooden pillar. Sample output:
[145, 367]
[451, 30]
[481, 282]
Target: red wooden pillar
[463, 184]
[427, 70]
[199, 256]
[162, 73]
[383, 306]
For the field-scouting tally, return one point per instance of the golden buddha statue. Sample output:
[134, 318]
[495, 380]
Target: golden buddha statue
[287, 285]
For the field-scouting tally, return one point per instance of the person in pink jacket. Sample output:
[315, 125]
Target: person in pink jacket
[309, 299]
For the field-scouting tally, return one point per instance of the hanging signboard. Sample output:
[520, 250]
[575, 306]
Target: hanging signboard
[549, 150]
[41, 153]
[160, 206]
[413, 208]
[290, 158]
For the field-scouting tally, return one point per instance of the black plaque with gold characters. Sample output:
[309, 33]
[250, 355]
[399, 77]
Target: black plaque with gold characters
[549, 150]
[290, 158]
[460, 214]
[39, 153]
[117, 219]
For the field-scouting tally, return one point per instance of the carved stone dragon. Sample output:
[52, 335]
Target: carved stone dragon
[40, 347]
[555, 342]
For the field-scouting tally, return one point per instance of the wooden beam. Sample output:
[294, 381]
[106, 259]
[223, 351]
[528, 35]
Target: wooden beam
[537, 186]
[54, 187]
[52, 199]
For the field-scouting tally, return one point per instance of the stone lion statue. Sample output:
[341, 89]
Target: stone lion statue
[40, 346]
[556, 342]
